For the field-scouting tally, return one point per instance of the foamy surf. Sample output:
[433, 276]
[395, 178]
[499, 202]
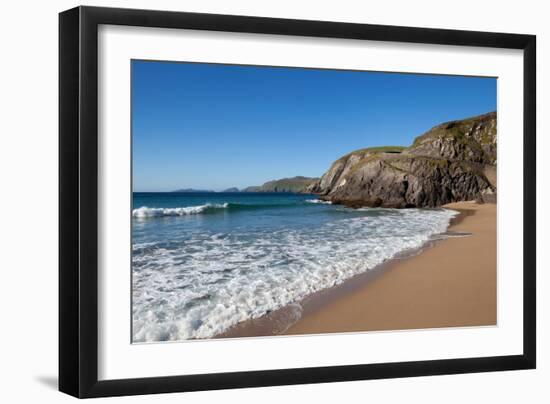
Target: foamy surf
[208, 279]
[144, 211]
[318, 201]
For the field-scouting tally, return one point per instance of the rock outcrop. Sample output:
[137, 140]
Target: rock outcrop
[454, 161]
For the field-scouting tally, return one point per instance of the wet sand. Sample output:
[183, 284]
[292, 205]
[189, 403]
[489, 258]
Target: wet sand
[449, 283]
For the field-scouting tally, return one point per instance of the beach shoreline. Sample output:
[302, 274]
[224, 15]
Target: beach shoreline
[446, 283]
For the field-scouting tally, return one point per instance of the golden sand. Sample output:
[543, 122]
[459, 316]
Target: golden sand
[450, 284]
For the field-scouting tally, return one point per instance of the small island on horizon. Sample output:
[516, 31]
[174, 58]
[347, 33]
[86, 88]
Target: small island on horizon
[310, 201]
[296, 184]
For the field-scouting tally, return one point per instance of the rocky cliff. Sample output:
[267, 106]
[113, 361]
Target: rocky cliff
[454, 161]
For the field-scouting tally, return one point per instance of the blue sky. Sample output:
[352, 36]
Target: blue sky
[213, 126]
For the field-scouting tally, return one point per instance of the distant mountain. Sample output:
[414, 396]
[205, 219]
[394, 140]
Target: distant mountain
[253, 188]
[295, 184]
[234, 189]
[187, 190]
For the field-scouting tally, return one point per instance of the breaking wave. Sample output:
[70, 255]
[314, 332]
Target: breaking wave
[318, 201]
[144, 211]
[147, 212]
[202, 282]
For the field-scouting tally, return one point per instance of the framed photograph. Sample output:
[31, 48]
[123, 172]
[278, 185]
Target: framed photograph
[251, 201]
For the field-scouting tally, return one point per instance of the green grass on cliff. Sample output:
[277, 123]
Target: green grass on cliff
[457, 129]
[384, 149]
[374, 150]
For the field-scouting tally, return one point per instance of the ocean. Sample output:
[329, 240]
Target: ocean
[203, 262]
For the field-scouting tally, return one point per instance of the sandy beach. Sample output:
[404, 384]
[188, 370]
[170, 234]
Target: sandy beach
[451, 283]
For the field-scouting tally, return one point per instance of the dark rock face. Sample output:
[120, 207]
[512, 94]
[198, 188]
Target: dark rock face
[472, 140]
[449, 163]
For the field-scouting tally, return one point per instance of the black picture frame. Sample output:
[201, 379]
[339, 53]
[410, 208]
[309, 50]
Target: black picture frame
[78, 201]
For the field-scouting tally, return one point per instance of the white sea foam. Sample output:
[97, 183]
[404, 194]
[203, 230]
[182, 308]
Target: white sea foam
[144, 211]
[207, 283]
[318, 201]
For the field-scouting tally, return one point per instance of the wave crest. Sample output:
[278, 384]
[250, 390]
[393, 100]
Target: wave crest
[144, 211]
[202, 284]
[318, 201]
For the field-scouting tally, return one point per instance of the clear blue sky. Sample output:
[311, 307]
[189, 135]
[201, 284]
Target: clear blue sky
[218, 126]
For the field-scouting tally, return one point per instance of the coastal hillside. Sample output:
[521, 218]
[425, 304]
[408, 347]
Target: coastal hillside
[295, 184]
[454, 161]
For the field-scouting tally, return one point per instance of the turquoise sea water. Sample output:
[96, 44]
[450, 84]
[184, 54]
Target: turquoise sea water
[202, 262]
